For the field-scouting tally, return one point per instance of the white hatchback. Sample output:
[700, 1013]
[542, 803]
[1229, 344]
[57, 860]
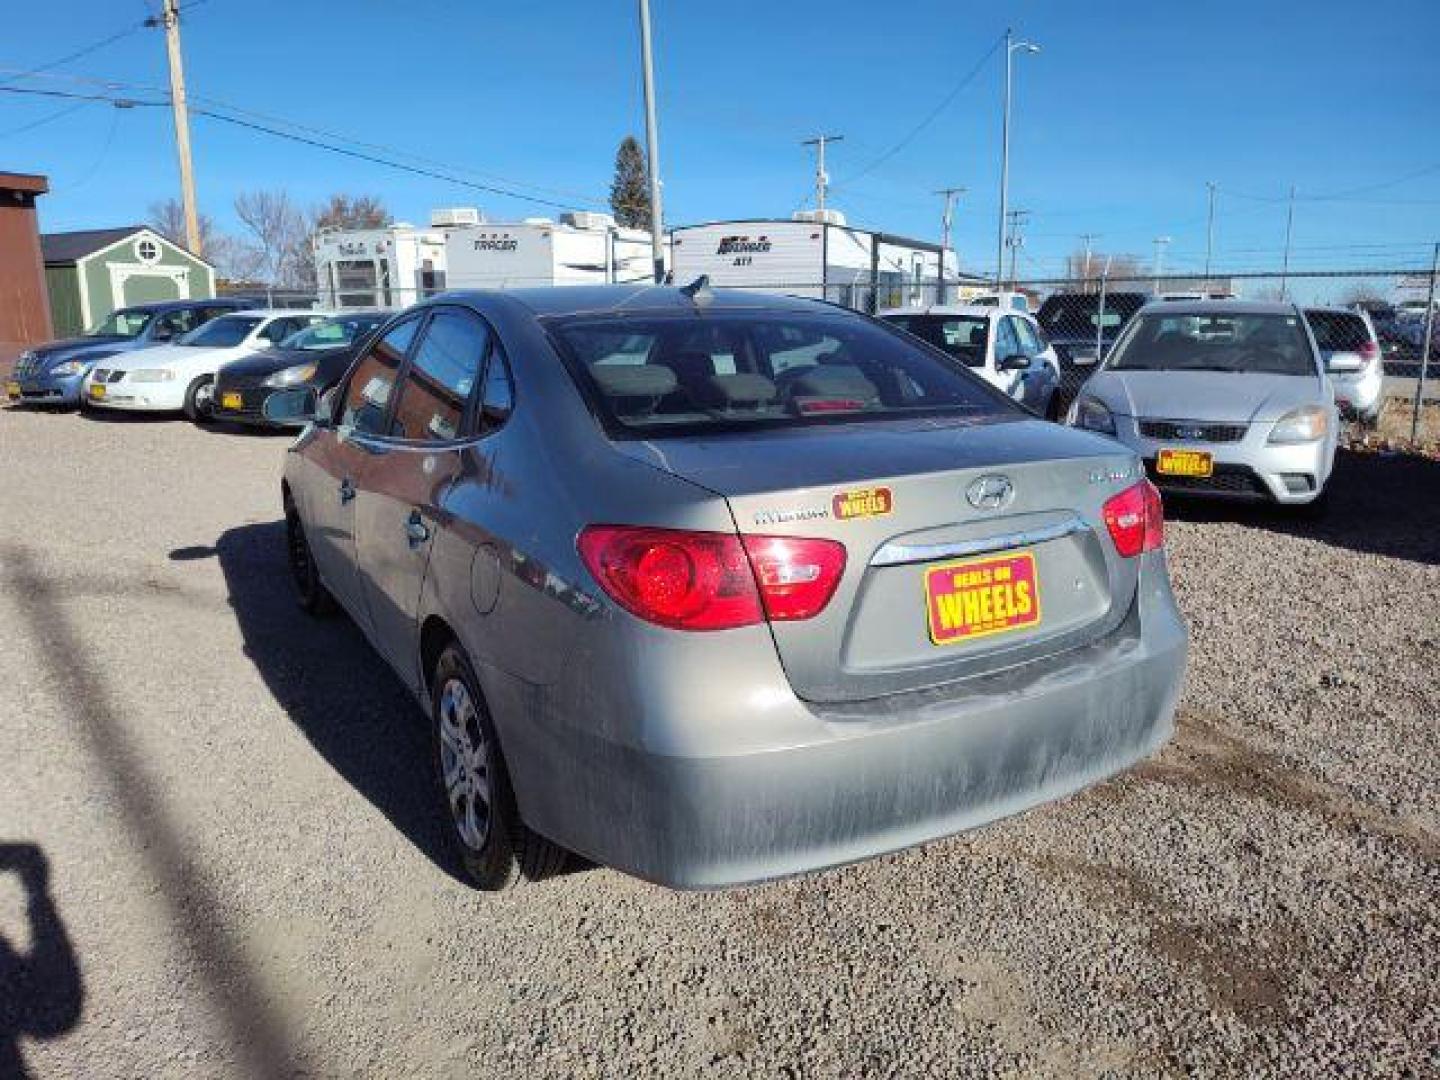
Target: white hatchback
[180, 376]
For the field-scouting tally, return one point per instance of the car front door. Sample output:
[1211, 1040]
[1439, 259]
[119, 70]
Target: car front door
[1004, 343]
[1040, 380]
[407, 477]
[339, 456]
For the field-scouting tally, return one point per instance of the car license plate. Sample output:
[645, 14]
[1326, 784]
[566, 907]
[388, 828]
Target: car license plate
[97, 390]
[975, 598]
[1184, 463]
[12, 389]
[232, 401]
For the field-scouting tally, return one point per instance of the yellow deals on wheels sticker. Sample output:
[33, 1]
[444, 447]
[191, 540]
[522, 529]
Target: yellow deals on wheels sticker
[864, 502]
[1184, 462]
[979, 597]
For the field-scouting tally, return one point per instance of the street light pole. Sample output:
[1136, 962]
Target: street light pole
[1011, 45]
[1088, 238]
[652, 147]
[1289, 229]
[1160, 242]
[1209, 231]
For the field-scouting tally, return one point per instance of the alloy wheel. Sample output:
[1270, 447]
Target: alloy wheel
[464, 764]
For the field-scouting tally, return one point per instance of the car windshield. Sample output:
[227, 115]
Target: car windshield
[221, 333]
[333, 333]
[1263, 343]
[1081, 313]
[733, 370]
[125, 323]
[962, 336]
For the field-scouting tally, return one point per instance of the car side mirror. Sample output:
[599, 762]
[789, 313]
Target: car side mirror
[297, 406]
[1015, 362]
[1342, 363]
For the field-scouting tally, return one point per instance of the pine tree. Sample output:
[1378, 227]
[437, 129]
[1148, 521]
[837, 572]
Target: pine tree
[630, 191]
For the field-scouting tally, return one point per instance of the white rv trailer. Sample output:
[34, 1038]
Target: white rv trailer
[816, 255]
[389, 267]
[582, 248]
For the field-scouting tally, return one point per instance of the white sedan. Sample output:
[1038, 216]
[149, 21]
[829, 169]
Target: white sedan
[180, 376]
[1003, 347]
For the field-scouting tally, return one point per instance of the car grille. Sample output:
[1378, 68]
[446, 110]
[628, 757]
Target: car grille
[26, 365]
[106, 375]
[1226, 479]
[1189, 431]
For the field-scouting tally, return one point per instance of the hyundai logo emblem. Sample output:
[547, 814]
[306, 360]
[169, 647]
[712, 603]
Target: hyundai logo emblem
[990, 492]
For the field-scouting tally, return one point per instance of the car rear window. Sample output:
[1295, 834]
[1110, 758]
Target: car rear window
[962, 336]
[735, 370]
[1338, 331]
[1081, 313]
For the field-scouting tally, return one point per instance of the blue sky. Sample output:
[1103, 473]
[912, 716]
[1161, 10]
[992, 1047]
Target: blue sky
[1119, 121]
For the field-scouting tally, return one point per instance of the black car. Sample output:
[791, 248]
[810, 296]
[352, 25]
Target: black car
[315, 358]
[1082, 331]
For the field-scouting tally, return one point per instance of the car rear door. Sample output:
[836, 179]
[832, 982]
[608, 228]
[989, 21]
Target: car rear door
[339, 457]
[401, 502]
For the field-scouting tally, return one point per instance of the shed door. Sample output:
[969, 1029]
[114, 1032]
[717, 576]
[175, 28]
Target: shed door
[149, 288]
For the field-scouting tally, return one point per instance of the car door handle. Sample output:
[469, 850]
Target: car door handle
[347, 490]
[416, 531]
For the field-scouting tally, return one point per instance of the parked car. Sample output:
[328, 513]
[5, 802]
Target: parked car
[315, 357]
[1348, 331]
[718, 587]
[51, 374]
[180, 377]
[1004, 348]
[1222, 398]
[1082, 331]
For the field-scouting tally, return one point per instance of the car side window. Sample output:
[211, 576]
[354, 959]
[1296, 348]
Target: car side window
[1006, 343]
[442, 373]
[368, 393]
[172, 324]
[497, 397]
[1029, 340]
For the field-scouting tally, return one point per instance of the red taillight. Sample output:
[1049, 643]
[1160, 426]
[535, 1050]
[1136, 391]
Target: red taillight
[1135, 519]
[797, 576]
[708, 581]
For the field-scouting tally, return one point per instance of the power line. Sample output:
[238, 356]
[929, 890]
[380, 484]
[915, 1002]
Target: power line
[65, 110]
[78, 53]
[930, 117]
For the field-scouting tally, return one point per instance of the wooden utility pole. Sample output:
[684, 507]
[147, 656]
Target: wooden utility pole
[822, 178]
[171, 22]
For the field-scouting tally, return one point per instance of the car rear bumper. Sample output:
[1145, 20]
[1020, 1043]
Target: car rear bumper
[838, 784]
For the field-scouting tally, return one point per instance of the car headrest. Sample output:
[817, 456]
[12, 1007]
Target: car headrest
[735, 390]
[634, 380]
[836, 381]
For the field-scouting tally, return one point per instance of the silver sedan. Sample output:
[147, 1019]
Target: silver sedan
[715, 588]
[1220, 398]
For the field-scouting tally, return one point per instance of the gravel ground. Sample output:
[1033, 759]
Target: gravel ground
[236, 869]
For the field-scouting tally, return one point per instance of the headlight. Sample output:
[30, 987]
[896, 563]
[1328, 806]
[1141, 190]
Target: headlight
[1305, 424]
[1092, 415]
[292, 375]
[152, 375]
[71, 367]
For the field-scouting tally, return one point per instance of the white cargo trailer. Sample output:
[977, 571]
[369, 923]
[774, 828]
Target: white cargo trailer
[579, 249]
[389, 267]
[817, 255]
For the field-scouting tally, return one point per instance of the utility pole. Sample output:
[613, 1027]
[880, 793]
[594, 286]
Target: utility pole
[1087, 238]
[1011, 45]
[1289, 229]
[652, 146]
[1160, 242]
[170, 19]
[1209, 231]
[946, 219]
[1426, 347]
[822, 178]
[1015, 240]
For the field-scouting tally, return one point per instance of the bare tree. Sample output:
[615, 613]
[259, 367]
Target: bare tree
[1088, 272]
[340, 211]
[276, 239]
[1361, 292]
[218, 249]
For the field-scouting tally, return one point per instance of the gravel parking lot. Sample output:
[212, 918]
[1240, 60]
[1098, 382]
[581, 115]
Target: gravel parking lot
[236, 868]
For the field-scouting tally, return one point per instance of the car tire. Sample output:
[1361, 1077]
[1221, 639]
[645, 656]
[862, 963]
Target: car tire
[199, 406]
[495, 848]
[314, 598]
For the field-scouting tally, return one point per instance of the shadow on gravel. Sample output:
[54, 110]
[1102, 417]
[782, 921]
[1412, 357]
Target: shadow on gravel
[334, 686]
[1380, 505]
[116, 416]
[259, 1038]
[41, 992]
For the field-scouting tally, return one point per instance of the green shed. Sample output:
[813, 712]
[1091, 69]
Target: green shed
[91, 273]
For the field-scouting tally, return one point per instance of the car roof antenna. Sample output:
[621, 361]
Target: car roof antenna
[698, 291]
